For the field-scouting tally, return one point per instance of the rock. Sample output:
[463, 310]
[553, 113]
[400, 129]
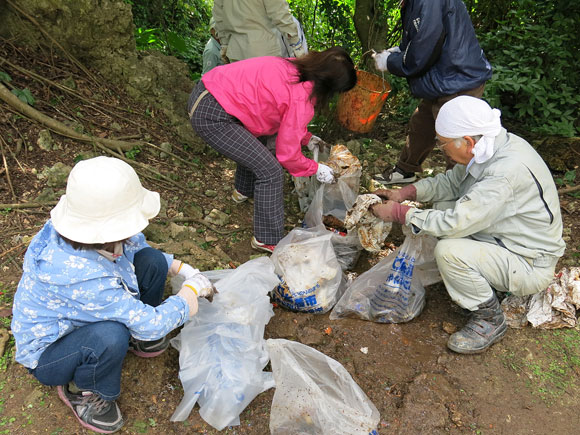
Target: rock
[116, 126]
[156, 233]
[310, 336]
[450, 328]
[34, 396]
[69, 82]
[46, 195]
[217, 217]
[167, 147]
[211, 238]
[210, 193]
[193, 210]
[45, 141]
[56, 175]
[354, 146]
[175, 229]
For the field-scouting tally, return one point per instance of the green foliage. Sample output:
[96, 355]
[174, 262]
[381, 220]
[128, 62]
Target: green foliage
[536, 80]
[24, 95]
[5, 77]
[177, 27]
[133, 153]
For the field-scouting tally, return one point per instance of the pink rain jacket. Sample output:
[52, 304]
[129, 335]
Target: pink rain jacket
[263, 94]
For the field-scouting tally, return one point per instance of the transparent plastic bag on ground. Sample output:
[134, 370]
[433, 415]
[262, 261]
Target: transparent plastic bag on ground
[391, 291]
[222, 349]
[311, 278]
[315, 394]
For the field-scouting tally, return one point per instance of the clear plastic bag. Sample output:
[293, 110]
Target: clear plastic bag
[315, 394]
[391, 291]
[222, 349]
[310, 276]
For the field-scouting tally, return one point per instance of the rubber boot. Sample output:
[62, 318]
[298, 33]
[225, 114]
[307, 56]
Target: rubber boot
[486, 326]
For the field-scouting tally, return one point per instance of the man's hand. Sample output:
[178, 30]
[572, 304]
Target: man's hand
[201, 286]
[324, 174]
[315, 141]
[390, 211]
[299, 49]
[381, 58]
[408, 192]
[224, 54]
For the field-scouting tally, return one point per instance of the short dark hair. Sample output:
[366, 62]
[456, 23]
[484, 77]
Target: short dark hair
[332, 71]
[77, 246]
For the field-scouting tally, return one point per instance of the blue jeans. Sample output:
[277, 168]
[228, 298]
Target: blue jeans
[92, 355]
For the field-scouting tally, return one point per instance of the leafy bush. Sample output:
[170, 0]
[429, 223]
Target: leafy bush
[178, 28]
[536, 79]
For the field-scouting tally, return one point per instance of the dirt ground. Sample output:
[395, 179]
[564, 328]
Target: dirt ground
[526, 384]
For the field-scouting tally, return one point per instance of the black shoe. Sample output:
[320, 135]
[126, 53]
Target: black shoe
[486, 326]
[93, 412]
[395, 176]
[148, 349]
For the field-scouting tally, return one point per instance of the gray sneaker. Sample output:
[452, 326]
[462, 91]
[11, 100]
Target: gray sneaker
[148, 349]
[395, 176]
[93, 412]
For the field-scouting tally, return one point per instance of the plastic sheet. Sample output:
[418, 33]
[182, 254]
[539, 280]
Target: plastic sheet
[315, 394]
[372, 231]
[222, 349]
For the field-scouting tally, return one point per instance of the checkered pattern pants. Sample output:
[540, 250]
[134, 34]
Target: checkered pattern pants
[258, 173]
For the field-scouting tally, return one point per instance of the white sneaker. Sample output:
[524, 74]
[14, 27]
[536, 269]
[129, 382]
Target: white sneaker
[262, 246]
[395, 176]
[238, 197]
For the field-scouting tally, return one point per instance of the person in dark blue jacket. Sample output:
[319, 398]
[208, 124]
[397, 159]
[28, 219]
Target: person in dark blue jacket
[441, 58]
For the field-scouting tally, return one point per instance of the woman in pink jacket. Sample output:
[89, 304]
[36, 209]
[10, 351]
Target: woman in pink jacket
[236, 104]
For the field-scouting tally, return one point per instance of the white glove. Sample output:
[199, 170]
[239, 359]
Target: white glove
[324, 174]
[381, 60]
[314, 142]
[201, 286]
[186, 271]
[299, 49]
[394, 49]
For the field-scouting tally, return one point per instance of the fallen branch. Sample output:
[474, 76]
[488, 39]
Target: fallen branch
[28, 205]
[570, 189]
[57, 126]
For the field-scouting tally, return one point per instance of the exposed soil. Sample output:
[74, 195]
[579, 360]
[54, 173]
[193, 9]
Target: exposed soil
[527, 383]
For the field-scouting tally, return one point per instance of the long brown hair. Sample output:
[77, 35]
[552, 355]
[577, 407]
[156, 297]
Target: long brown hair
[332, 71]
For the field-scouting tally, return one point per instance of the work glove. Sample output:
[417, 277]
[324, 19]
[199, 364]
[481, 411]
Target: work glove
[406, 193]
[314, 142]
[224, 54]
[381, 58]
[201, 286]
[299, 49]
[390, 211]
[324, 174]
[186, 271]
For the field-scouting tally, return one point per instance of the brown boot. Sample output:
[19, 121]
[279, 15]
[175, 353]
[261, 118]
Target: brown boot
[486, 326]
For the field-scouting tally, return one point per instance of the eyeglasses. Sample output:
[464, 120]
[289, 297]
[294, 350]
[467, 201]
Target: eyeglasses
[441, 145]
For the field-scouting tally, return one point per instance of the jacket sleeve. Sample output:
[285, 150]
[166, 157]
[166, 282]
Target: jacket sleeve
[218, 15]
[291, 135]
[113, 302]
[486, 203]
[424, 35]
[442, 187]
[279, 13]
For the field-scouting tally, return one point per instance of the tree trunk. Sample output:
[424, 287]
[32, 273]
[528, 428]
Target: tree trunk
[371, 25]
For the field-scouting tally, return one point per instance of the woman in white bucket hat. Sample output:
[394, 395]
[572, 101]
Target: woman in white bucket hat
[92, 289]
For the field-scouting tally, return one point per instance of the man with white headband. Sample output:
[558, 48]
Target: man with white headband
[496, 214]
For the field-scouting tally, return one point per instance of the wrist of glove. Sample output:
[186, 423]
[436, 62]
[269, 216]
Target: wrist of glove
[201, 286]
[325, 174]
[381, 60]
[186, 271]
[406, 193]
[391, 211]
[314, 142]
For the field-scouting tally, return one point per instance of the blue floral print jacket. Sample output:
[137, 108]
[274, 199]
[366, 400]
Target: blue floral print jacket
[62, 289]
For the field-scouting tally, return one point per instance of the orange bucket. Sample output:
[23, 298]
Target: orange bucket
[359, 108]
